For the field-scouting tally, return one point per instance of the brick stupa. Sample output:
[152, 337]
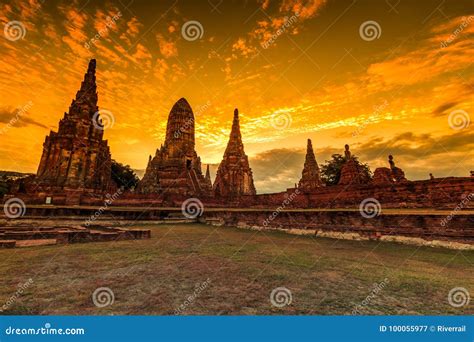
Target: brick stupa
[311, 177]
[76, 157]
[385, 175]
[234, 175]
[176, 167]
[208, 178]
[351, 172]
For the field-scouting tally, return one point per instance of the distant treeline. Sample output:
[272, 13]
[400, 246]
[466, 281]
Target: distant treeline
[6, 176]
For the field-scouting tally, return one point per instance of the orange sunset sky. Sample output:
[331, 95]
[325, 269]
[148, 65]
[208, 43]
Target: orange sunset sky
[295, 69]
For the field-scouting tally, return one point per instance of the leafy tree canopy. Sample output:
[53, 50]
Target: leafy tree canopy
[331, 169]
[123, 175]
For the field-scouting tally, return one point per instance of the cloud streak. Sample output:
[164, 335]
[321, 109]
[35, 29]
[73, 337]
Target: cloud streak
[328, 89]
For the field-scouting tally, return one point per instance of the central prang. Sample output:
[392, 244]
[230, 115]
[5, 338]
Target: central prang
[176, 167]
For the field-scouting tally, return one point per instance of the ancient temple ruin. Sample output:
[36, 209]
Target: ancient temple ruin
[208, 179]
[392, 175]
[76, 161]
[176, 167]
[351, 172]
[311, 177]
[76, 157]
[234, 176]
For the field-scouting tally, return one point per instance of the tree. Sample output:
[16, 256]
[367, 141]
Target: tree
[331, 169]
[3, 188]
[123, 175]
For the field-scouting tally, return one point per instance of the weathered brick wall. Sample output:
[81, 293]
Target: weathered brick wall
[439, 225]
[438, 193]
[433, 226]
[444, 193]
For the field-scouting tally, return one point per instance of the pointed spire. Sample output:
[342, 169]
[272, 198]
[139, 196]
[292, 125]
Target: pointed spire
[77, 156]
[310, 152]
[310, 178]
[310, 160]
[149, 161]
[235, 139]
[86, 96]
[88, 85]
[91, 66]
[207, 180]
[236, 126]
[234, 175]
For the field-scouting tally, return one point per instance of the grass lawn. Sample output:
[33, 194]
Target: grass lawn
[213, 270]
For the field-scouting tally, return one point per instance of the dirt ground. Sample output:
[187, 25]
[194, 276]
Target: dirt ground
[199, 269]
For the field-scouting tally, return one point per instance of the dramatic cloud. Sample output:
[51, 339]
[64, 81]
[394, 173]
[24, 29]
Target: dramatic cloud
[290, 17]
[277, 169]
[421, 154]
[441, 109]
[17, 118]
[315, 78]
[432, 57]
[418, 146]
[167, 48]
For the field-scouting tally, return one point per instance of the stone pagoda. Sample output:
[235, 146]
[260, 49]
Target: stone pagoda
[385, 175]
[208, 178]
[176, 167]
[351, 172]
[76, 157]
[311, 177]
[234, 175]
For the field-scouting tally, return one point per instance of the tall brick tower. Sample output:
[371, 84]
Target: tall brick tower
[208, 179]
[351, 172]
[310, 177]
[234, 175]
[176, 167]
[76, 157]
